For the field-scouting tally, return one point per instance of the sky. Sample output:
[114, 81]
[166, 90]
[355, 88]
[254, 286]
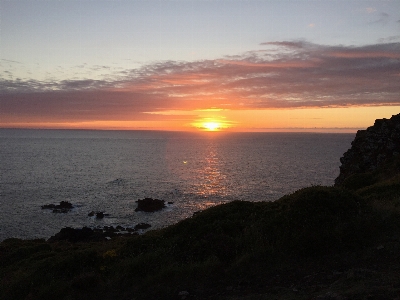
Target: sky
[234, 65]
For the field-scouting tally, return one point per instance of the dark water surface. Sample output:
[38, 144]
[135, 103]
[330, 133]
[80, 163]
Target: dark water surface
[109, 170]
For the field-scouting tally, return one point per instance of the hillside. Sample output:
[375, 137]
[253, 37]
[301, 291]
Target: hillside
[339, 242]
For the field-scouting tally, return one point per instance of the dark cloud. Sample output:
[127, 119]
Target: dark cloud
[87, 84]
[389, 39]
[297, 44]
[288, 75]
[19, 86]
[61, 106]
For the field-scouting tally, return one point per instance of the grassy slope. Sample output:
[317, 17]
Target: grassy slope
[319, 241]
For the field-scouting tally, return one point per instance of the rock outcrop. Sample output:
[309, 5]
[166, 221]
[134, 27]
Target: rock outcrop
[150, 205]
[63, 207]
[75, 235]
[371, 149]
[87, 234]
[98, 214]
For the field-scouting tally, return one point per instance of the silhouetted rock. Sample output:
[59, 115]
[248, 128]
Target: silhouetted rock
[150, 205]
[100, 215]
[63, 207]
[87, 234]
[75, 235]
[371, 148]
[142, 226]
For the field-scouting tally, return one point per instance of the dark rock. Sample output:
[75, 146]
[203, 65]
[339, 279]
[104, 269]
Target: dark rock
[100, 215]
[371, 148]
[170, 202]
[99, 234]
[63, 207]
[150, 205]
[61, 210]
[109, 229]
[74, 235]
[142, 226]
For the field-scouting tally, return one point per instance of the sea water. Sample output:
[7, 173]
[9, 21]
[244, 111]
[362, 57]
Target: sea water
[109, 170]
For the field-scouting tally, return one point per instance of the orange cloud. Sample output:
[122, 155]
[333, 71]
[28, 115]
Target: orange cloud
[292, 75]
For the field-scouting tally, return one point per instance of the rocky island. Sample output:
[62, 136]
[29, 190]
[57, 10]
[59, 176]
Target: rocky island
[337, 242]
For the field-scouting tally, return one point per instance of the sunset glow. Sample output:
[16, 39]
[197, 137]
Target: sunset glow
[212, 126]
[183, 67]
[211, 122]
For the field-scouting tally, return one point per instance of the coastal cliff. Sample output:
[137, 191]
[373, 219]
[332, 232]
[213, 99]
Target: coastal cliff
[322, 243]
[371, 149]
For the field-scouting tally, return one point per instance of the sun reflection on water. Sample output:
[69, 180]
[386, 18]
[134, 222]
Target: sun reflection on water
[212, 180]
[199, 174]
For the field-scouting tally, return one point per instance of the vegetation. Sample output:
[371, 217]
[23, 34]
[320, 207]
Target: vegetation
[317, 243]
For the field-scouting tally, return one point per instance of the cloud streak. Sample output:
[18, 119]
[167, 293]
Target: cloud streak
[383, 19]
[287, 74]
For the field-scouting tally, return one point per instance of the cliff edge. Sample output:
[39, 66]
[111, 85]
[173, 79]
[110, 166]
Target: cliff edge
[371, 149]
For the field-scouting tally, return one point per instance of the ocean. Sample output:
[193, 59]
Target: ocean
[109, 170]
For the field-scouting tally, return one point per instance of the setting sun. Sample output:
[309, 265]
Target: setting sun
[212, 123]
[212, 126]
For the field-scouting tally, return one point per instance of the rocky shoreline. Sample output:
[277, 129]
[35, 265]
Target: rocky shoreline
[84, 234]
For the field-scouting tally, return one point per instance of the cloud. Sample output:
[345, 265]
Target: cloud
[10, 61]
[370, 10]
[389, 39]
[286, 74]
[383, 19]
[290, 44]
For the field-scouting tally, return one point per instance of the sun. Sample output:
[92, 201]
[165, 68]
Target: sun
[211, 126]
